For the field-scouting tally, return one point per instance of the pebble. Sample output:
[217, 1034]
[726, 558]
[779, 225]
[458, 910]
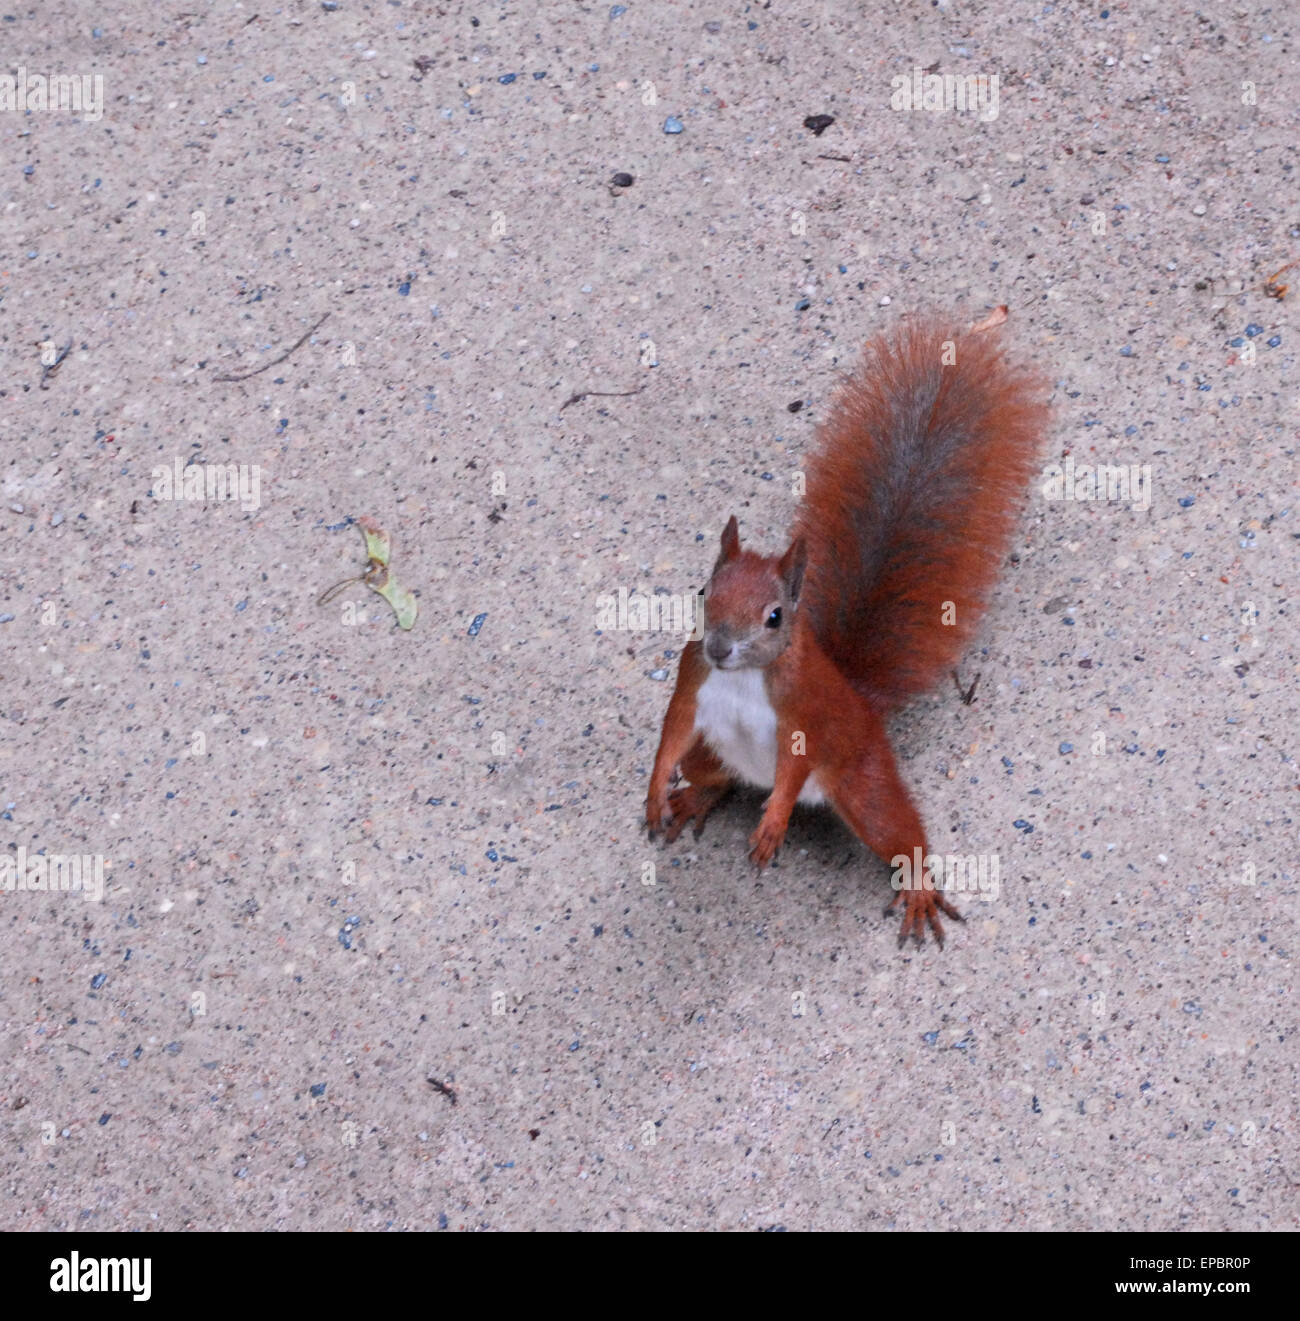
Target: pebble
[673, 125]
[477, 624]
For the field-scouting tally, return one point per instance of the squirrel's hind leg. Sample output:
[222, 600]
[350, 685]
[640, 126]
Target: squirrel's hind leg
[873, 802]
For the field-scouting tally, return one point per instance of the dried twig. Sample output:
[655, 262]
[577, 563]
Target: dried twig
[442, 1089]
[604, 394]
[275, 362]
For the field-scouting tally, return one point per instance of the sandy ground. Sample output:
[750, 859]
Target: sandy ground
[343, 860]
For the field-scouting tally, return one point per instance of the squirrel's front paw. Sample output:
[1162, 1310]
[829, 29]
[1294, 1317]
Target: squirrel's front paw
[658, 816]
[692, 802]
[765, 841]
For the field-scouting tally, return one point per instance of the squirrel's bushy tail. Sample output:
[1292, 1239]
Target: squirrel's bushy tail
[912, 494]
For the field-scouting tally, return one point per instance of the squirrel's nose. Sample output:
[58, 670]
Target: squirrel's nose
[717, 648]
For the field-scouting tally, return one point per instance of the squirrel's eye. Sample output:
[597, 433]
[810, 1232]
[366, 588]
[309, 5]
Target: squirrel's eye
[774, 619]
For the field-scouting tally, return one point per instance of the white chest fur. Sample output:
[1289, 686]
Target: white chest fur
[736, 718]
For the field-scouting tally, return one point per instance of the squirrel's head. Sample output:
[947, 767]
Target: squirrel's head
[750, 603]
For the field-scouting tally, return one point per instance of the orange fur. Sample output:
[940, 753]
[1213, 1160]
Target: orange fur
[911, 498]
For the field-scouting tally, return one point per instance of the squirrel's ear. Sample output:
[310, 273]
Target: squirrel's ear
[792, 565]
[730, 541]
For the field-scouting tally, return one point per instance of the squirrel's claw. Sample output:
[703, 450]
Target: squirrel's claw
[764, 842]
[690, 803]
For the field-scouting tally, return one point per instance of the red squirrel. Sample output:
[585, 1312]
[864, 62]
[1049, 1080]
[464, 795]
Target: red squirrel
[910, 502]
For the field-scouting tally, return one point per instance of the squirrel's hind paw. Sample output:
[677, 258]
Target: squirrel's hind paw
[922, 909]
